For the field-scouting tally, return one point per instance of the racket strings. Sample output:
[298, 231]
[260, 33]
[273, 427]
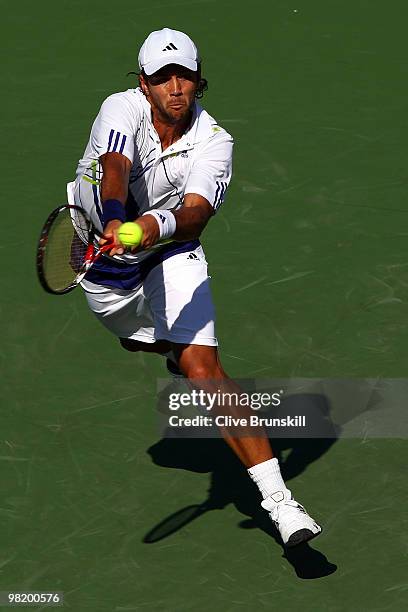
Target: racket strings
[65, 247]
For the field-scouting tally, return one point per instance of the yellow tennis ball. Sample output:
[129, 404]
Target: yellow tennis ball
[130, 234]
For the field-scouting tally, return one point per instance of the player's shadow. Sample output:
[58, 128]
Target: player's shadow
[229, 483]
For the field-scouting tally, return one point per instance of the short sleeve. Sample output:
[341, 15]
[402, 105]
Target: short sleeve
[211, 171]
[114, 128]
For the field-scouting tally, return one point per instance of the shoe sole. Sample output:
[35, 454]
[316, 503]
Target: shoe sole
[300, 537]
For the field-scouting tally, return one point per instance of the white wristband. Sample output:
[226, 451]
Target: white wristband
[166, 221]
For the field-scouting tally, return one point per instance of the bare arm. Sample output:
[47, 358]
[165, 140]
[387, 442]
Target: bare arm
[114, 186]
[115, 180]
[191, 219]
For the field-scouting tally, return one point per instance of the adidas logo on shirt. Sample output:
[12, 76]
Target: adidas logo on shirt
[192, 256]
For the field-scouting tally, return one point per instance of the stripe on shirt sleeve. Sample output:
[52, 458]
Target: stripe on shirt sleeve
[219, 194]
[114, 137]
[216, 193]
[116, 142]
[110, 138]
[122, 146]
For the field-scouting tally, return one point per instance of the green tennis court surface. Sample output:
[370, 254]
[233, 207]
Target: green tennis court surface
[310, 277]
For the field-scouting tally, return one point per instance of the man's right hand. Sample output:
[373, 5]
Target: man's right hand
[111, 232]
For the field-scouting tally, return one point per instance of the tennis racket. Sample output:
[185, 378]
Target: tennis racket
[68, 246]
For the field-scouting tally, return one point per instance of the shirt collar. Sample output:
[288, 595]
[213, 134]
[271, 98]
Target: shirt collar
[201, 127]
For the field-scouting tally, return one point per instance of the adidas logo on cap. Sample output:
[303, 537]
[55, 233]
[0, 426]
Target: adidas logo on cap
[170, 47]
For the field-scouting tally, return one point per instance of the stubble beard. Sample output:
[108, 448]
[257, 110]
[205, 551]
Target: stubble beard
[176, 117]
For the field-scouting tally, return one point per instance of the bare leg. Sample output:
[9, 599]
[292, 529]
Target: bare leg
[202, 363]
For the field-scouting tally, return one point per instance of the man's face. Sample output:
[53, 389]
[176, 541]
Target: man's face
[171, 92]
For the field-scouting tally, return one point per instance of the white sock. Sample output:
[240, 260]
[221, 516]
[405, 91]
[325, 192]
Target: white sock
[267, 477]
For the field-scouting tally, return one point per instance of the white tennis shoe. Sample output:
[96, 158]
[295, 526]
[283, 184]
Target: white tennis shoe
[291, 519]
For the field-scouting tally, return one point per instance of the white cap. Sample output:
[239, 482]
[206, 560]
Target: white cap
[164, 47]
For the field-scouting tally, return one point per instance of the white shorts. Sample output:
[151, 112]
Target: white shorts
[173, 303]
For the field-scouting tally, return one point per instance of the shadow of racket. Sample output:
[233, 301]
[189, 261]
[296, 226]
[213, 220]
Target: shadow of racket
[177, 521]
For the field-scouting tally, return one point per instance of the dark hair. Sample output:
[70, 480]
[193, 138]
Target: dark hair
[202, 84]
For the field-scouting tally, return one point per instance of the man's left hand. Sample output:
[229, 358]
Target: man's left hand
[151, 232]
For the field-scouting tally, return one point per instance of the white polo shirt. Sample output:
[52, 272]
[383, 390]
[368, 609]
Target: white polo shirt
[200, 162]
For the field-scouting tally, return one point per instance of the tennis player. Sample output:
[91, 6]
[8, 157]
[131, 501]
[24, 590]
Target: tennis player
[155, 156]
